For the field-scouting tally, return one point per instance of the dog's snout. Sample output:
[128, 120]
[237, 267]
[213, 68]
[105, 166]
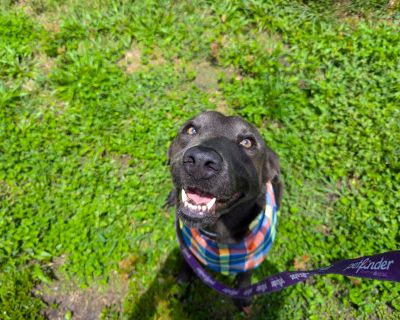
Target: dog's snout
[202, 162]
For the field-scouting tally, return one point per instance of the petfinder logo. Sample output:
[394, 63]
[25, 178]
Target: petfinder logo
[367, 264]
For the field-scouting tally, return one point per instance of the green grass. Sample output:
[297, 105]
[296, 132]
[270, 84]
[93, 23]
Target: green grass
[91, 95]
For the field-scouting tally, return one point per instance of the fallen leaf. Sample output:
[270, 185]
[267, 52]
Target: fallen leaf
[301, 262]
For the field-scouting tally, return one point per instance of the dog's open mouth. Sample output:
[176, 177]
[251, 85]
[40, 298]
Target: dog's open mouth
[199, 206]
[198, 202]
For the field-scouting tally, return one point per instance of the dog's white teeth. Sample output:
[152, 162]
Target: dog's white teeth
[201, 209]
[211, 203]
[184, 196]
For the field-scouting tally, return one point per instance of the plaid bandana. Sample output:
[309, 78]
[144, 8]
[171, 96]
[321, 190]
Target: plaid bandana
[237, 257]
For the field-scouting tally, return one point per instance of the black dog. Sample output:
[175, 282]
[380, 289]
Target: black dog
[220, 166]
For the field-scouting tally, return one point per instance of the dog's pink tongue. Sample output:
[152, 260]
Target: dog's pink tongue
[198, 199]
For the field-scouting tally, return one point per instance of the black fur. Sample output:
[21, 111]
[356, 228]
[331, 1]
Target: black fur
[234, 174]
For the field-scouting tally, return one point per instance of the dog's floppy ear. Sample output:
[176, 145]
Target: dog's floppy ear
[272, 173]
[172, 196]
[271, 166]
[169, 154]
[172, 199]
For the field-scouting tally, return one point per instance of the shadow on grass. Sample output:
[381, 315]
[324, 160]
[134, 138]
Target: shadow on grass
[165, 299]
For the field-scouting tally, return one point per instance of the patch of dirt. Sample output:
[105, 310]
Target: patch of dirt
[48, 14]
[393, 4]
[332, 197]
[122, 159]
[220, 102]
[63, 296]
[122, 162]
[46, 63]
[5, 189]
[207, 75]
[48, 101]
[131, 61]
[50, 25]
[26, 6]
[344, 12]
[269, 41]
[157, 58]
[29, 85]
[50, 22]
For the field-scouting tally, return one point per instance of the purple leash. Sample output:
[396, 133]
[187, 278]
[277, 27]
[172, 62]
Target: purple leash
[383, 266]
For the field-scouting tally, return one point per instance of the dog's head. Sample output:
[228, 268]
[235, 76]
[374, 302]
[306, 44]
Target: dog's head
[218, 163]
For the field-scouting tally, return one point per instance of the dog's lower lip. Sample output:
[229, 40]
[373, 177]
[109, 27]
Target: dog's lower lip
[194, 218]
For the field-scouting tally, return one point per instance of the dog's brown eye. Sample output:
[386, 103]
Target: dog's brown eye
[247, 143]
[191, 130]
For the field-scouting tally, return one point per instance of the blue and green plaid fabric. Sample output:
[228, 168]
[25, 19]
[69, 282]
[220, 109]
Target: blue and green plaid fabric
[237, 257]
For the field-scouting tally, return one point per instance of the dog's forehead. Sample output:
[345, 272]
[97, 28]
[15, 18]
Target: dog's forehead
[226, 125]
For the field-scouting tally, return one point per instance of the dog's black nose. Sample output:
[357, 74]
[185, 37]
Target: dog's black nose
[202, 162]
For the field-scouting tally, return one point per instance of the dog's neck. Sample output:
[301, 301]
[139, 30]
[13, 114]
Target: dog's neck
[232, 230]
